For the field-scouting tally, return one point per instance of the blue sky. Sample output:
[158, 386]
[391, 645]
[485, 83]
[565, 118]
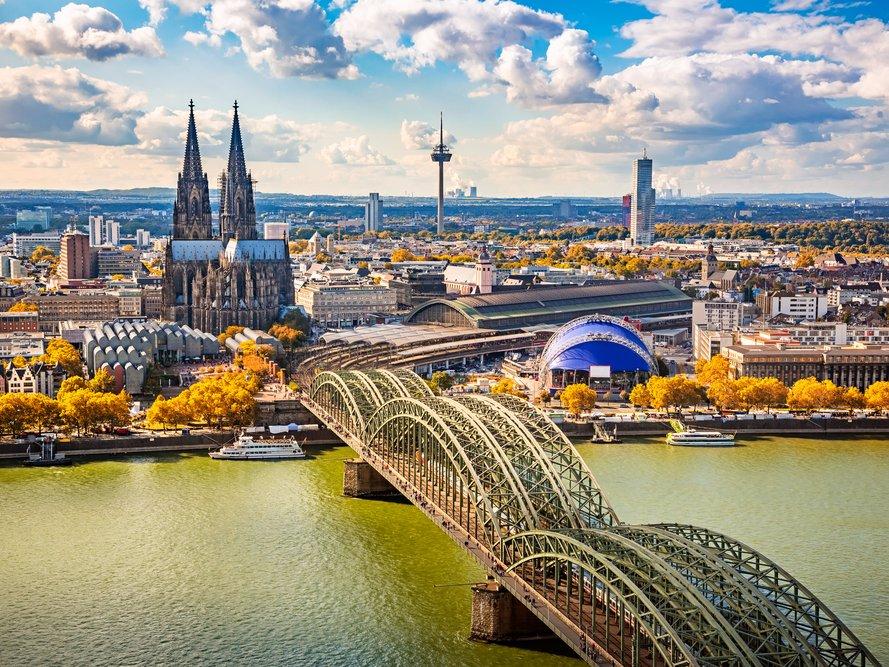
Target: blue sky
[539, 98]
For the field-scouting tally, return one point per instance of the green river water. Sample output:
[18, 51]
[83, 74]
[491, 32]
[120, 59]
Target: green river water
[182, 560]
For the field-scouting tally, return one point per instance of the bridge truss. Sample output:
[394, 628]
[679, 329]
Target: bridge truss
[505, 482]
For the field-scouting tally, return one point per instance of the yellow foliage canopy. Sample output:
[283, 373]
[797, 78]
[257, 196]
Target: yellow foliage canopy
[577, 398]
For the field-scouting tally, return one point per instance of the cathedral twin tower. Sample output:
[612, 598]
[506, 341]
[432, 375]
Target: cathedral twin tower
[233, 278]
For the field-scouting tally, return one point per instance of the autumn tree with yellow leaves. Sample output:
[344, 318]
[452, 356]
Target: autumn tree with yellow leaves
[23, 307]
[811, 394]
[27, 412]
[402, 255]
[877, 396]
[220, 401]
[678, 391]
[577, 398]
[712, 370]
[508, 386]
[59, 351]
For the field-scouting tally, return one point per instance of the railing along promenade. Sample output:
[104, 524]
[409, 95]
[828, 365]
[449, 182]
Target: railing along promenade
[504, 482]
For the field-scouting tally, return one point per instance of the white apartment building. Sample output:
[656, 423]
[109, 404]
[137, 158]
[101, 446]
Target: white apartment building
[24, 244]
[799, 306]
[345, 305]
[112, 233]
[721, 315]
[96, 230]
[143, 238]
[22, 344]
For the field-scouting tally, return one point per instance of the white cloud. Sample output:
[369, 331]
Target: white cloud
[66, 105]
[409, 97]
[683, 27]
[266, 138]
[489, 41]
[418, 134]
[78, 31]
[157, 9]
[198, 38]
[285, 38]
[564, 76]
[356, 152]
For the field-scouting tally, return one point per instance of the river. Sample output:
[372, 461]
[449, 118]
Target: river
[178, 559]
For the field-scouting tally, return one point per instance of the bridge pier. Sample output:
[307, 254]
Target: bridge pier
[360, 480]
[497, 616]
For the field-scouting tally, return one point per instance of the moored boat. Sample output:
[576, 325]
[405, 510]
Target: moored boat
[695, 438]
[248, 448]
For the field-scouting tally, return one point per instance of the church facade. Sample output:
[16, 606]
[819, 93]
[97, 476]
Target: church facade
[231, 278]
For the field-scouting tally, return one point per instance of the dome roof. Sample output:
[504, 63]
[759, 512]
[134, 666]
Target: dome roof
[597, 340]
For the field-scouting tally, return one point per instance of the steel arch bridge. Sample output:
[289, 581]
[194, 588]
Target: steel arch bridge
[506, 484]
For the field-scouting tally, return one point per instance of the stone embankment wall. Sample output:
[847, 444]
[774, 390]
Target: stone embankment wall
[801, 427]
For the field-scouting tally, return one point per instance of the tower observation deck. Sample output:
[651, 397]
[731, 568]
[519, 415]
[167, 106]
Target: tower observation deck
[440, 154]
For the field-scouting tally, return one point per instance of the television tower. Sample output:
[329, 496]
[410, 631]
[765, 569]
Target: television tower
[440, 154]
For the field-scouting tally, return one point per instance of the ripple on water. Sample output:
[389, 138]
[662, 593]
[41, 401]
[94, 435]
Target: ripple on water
[184, 560]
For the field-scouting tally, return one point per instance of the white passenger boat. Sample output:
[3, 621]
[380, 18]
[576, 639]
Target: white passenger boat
[695, 438]
[246, 447]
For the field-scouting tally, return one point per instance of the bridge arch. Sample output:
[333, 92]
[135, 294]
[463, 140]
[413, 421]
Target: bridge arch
[335, 396]
[580, 482]
[427, 451]
[503, 471]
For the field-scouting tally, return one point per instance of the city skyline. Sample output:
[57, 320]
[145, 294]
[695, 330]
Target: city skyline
[540, 98]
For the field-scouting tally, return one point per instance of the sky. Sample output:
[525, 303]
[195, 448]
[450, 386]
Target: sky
[551, 97]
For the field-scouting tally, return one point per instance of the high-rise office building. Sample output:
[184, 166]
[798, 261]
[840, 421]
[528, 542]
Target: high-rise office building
[38, 217]
[143, 238]
[75, 260]
[473, 192]
[96, 230]
[112, 233]
[373, 213]
[642, 204]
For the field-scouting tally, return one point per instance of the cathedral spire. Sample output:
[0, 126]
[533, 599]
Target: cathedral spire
[191, 166]
[192, 218]
[237, 165]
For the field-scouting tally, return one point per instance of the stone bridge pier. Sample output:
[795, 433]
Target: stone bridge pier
[498, 617]
[360, 480]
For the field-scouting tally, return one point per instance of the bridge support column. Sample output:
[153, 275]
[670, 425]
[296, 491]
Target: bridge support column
[497, 616]
[360, 480]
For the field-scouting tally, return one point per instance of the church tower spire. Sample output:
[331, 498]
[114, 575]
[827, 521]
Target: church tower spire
[237, 212]
[192, 218]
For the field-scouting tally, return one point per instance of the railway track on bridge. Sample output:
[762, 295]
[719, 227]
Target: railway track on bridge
[503, 481]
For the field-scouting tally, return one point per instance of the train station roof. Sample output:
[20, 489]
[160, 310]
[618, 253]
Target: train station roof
[516, 309]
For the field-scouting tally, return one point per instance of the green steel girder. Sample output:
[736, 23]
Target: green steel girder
[544, 546]
[582, 485]
[507, 495]
[388, 384]
[415, 385]
[709, 634]
[835, 643]
[768, 633]
[500, 466]
[534, 467]
[330, 391]
[398, 416]
[366, 393]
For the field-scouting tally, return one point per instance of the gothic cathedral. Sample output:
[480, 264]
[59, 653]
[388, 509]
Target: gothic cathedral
[233, 278]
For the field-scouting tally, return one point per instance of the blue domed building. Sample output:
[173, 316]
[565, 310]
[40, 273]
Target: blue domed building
[597, 341]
